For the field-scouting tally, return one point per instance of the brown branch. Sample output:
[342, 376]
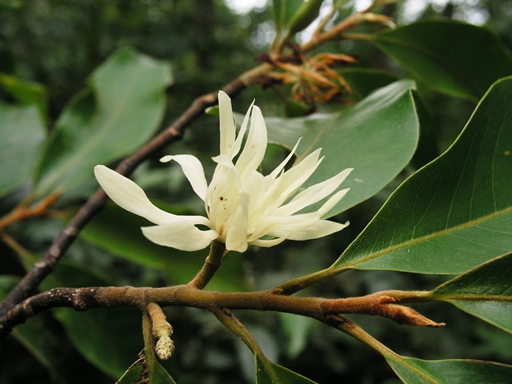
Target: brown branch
[384, 304]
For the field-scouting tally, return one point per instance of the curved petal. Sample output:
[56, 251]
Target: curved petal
[180, 235]
[227, 123]
[290, 181]
[333, 200]
[275, 173]
[193, 171]
[236, 236]
[255, 146]
[132, 198]
[320, 228]
[243, 128]
[314, 194]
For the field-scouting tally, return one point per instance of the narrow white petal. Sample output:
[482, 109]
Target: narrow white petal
[223, 194]
[255, 146]
[266, 243]
[319, 229]
[333, 200]
[180, 235]
[283, 226]
[227, 123]
[132, 198]
[193, 171]
[314, 194]
[239, 139]
[290, 181]
[275, 173]
[236, 236]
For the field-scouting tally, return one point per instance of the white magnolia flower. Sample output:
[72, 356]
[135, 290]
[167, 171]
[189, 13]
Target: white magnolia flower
[243, 207]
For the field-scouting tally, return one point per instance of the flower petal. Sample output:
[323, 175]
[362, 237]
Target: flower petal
[227, 124]
[180, 235]
[132, 198]
[288, 183]
[193, 171]
[255, 146]
[236, 236]
[313, 194]
[319, 229]
[275, 173]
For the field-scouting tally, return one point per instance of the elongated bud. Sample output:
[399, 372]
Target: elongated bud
[162, 331]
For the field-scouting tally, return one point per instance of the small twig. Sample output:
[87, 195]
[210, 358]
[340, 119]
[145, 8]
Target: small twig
[211, 264]
[23, 211]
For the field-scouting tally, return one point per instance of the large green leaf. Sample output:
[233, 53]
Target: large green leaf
[118, 112]
[484, 292]
[416, 371]
[118, 232]
[459, 59]
[21, 136]
[454, 213]
[26, 93]
[146, 370]
[377, 137]
[270, 373]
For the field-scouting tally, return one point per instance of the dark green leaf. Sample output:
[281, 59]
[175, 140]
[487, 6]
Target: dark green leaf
[416, 371]
[364, 81]
[270, 373]
[377, 137]
[21, 136]
[118, 112]
[466, 67]
[484, 292]
[454, 213]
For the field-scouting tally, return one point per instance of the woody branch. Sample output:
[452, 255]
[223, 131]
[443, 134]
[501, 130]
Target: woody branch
[385, 304]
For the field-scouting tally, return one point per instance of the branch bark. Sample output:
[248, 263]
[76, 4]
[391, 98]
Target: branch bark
[385, 304]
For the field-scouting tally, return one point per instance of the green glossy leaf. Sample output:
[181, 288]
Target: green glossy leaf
[21, 136]
[119, 111]
[377, 137]
[459, 59]
[416, 371]
[146, 370]
[364, 81]
[270, 373]
[118, 232]
[484, 292]
[26, 93]
[454, 213]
